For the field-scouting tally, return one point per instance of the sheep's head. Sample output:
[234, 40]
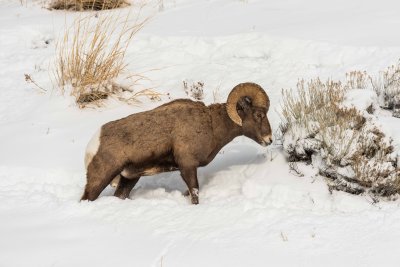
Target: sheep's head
[247, 106]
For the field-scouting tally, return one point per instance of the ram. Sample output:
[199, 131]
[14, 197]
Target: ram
[180, 135]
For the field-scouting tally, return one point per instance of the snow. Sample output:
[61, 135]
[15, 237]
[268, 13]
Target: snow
[253, 210]
[361, 99]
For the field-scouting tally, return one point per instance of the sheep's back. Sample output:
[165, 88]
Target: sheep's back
[155, 133]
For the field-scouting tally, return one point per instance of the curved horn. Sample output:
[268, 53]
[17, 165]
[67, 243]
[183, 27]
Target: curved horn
[258, 97]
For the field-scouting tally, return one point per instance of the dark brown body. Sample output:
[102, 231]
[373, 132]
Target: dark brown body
[180, 135]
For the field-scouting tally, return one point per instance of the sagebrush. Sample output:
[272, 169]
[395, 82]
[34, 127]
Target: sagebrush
[387, 86]
[343, 142]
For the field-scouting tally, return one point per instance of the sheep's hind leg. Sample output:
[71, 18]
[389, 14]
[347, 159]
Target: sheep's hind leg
[189, 175]
[125, 186]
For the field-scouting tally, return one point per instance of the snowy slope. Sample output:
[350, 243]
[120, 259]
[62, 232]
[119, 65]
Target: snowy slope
[253, 211]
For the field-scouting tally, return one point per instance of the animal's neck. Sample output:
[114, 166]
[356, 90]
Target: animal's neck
[225, 130]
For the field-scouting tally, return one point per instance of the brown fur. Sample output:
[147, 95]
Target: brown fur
[180, 135]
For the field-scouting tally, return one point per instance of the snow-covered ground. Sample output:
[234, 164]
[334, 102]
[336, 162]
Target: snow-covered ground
[253, 210]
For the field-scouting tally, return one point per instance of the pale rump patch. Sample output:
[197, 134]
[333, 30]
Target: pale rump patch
[92, 147]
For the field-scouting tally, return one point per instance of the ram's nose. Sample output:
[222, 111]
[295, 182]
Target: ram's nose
[267, 140]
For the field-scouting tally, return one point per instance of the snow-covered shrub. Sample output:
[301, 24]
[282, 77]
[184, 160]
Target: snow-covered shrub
[343, 142]
[303, 113]
[90, 56]
[387, 86]
[79, 5]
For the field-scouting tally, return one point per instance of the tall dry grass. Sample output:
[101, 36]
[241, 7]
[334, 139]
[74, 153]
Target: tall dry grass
[91, 52]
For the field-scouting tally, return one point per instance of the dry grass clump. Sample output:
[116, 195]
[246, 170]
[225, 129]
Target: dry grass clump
[345, 145]
[80, 5]
[90, 56]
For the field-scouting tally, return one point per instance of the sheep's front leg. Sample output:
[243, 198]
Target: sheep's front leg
[189, 175]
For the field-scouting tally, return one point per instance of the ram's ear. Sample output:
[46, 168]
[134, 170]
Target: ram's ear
[244, 105]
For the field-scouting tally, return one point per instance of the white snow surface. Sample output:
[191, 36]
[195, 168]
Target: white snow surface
[253, 210]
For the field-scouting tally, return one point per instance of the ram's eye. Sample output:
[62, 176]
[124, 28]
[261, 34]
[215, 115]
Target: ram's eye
[260, 115]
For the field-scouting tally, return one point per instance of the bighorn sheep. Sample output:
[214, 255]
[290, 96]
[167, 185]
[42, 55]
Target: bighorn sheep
[180, 135]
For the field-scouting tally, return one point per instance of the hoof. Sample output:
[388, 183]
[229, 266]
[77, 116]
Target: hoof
[194, 196]
[195, 200]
